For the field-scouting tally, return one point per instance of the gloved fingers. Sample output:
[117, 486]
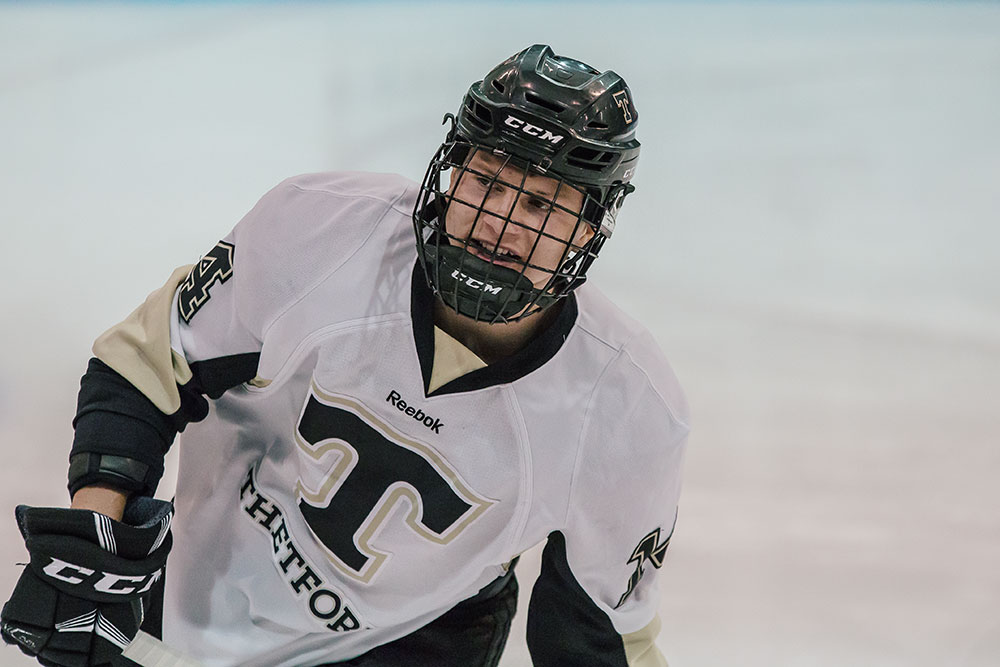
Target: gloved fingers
[29, 615]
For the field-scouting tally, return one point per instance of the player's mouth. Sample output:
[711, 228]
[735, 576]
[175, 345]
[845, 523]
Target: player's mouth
[503, 256]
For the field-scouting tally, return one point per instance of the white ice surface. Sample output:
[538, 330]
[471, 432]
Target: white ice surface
[814, 242]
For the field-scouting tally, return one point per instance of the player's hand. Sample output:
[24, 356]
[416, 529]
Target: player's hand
[82, 597]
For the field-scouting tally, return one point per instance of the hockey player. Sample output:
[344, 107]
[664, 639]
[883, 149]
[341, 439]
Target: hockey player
[374, 429]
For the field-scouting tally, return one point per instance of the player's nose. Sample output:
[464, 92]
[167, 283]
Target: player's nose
[500, 213]
[501, 201]
[491, 226]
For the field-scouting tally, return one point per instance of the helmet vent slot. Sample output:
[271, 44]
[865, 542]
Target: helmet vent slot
[480, 115]
[499, 86]
[544, 103]
[597, 125]
[588, 158]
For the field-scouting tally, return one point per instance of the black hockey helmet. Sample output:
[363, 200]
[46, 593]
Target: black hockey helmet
[535, 114]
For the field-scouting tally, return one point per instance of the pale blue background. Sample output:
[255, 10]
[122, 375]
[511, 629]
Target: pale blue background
[814, 242]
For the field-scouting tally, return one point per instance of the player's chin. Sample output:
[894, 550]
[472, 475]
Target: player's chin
[540, 279]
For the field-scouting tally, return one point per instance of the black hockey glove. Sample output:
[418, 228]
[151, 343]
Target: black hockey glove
[81, 599]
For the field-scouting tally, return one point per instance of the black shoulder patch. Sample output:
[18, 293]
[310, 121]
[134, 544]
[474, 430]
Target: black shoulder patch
[216, 266]
[650, 548]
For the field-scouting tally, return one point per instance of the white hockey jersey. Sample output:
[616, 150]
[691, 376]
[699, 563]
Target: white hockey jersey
[336, 502]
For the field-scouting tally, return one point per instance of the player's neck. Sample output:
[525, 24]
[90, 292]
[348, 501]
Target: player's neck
[492, 342]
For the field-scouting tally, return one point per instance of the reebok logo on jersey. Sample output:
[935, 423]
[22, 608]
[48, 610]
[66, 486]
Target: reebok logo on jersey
[433, 423]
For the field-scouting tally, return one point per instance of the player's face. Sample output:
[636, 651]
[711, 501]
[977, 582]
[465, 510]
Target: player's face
[515, 220]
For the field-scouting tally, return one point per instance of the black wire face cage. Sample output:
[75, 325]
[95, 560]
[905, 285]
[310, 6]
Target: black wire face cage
[502, 239]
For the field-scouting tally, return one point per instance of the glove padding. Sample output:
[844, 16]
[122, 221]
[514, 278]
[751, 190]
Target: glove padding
[84, 593]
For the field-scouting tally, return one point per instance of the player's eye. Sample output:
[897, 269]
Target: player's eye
[488, 184]
[539, 204]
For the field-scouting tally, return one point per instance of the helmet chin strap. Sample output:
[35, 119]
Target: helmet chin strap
[480, 290]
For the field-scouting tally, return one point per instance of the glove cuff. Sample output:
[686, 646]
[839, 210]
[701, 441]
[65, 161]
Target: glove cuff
[143, 529]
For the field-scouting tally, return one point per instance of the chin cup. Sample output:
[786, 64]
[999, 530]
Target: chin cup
[481, 290]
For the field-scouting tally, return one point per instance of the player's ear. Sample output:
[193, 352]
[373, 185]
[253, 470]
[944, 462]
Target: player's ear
[584, 233]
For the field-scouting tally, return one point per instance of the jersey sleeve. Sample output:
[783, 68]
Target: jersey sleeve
[596, 599]
[202, 332]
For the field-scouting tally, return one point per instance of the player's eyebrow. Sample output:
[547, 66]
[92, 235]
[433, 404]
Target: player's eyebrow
[536, 184]
[544, 186]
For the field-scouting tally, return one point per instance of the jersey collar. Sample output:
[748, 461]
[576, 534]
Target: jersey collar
[530, 358]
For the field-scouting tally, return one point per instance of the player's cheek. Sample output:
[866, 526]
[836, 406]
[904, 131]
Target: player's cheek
[547, 254]
[458, 218]
[558, 233]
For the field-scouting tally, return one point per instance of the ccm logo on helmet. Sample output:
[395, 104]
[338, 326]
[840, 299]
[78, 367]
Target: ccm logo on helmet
[533, 130]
